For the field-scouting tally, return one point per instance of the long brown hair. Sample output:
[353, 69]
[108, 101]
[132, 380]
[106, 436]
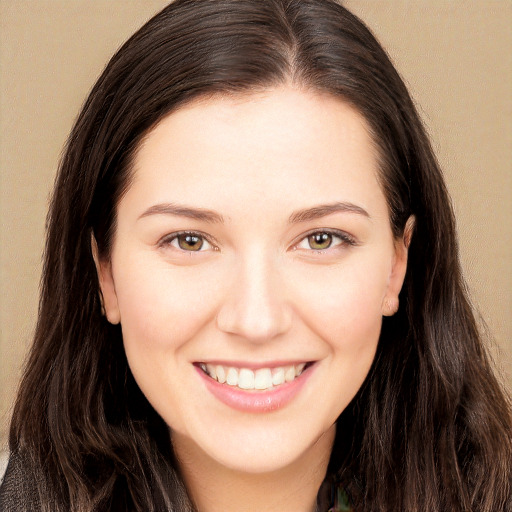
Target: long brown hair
[429, 430]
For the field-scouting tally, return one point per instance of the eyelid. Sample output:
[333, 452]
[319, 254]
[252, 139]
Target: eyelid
[346, 239]
[170, 237]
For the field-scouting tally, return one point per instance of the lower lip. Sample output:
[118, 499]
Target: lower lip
[256, 401]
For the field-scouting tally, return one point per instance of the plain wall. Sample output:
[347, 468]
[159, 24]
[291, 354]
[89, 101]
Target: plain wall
[454, 55]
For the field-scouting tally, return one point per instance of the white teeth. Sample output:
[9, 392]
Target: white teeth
[232, 377]
[263, 378]
[246, 379]
[289, 373]
[278, 376]
[221, 374]
[299, 368]
[210, 370]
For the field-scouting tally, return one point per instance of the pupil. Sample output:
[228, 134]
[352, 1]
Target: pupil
[320, 240]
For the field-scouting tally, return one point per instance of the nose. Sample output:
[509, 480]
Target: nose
[255, 306]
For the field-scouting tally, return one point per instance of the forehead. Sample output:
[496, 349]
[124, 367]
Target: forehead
[283, 145]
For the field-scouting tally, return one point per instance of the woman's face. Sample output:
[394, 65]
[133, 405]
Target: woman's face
[252, 262]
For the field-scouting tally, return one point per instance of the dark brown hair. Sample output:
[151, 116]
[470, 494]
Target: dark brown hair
[429, 430]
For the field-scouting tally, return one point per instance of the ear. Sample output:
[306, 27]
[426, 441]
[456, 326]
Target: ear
[108, 296]
[390, 302]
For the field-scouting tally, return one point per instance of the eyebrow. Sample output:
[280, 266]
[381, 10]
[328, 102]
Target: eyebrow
[203, 214]
[323, 210]
[183, 211]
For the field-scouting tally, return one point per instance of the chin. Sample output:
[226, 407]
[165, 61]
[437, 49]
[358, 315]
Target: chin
[264, 449]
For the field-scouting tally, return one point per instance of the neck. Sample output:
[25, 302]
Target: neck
[214, 487]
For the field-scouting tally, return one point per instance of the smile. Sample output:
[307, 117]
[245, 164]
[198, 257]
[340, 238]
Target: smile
[260, 379]
[256, 389]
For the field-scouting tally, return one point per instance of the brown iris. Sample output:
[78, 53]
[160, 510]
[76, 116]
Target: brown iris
[189, 242]
[320, 240]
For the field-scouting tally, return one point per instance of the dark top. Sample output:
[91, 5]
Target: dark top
[18, 492]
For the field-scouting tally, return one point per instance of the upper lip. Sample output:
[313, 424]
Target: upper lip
[251, 365]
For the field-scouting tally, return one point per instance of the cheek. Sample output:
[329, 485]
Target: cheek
[162, 307]
[344, 306]
[345, 312]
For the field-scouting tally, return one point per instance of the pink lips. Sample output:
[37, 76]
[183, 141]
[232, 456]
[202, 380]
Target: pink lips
[255, 401]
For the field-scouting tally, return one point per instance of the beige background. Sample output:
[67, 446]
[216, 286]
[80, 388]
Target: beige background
[455, 56]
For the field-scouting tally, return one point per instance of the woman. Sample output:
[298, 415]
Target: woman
[251, 295]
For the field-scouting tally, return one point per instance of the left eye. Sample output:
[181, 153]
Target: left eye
[191, 242]
[322, 240]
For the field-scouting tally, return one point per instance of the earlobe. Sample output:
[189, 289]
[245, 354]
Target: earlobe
[390, 303]
[108, 296]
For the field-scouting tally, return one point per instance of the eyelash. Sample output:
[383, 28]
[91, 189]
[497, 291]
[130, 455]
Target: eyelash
[169, 239]
[344, 240]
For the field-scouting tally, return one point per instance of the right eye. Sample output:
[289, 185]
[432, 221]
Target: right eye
[188, 241]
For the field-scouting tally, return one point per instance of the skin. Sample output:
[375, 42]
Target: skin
[256, 292]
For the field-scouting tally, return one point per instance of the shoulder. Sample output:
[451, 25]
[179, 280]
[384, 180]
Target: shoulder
[18, 490]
